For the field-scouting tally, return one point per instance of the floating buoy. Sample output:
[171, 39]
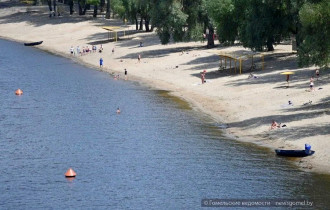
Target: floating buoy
[18, 92]
[70, 173]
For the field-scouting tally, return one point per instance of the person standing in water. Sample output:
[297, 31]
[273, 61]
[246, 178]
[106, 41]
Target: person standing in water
[118, 111]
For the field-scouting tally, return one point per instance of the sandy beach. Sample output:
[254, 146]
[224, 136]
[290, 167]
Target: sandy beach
[244, 108]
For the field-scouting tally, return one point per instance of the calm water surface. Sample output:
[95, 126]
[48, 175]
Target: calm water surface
[157, 154]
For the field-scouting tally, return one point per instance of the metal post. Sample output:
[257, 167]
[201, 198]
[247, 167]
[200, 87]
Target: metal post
[235, 65]
[230, 65]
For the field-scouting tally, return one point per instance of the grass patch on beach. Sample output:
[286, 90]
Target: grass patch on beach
[27, 2]
[182, 104]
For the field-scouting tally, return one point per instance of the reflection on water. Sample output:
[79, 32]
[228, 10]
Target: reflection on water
[157, 154]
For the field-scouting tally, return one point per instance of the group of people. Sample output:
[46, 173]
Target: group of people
[85, 50]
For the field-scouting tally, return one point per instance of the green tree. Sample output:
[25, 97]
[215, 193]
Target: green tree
[226, 16]
[182, 20]
[266, 24]
[118, 8]
[131, 13]
[95, 3]
[170, 20]
[315, 47]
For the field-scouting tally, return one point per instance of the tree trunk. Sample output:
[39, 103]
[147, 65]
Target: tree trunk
[54, 3]
[87, 6]
[210, 38]
[95, 11]
[50, 5]
[102, 4]
[136, 24]
[80, 7]
[270, 46]
[152, 27]
[146, 23]
[107, 16]
[71, 7]
[141, 24]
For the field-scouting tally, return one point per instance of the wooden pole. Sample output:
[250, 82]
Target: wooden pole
[263, 62]
[230, 65]
[235, 65]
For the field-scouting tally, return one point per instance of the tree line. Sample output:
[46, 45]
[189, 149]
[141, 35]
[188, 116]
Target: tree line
[256, 24]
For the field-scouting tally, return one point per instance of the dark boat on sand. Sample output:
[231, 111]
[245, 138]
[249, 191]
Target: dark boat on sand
[294, 153]
[32, 43]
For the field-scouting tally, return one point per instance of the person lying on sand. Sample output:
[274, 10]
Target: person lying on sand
[252, 76]
[276, 125]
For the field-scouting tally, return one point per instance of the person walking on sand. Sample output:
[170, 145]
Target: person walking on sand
[78, 50]
[101, 62]
[113, 50]
[311, 85]
[139, 58]
[317, 73]
[125, 74]
[203, 76]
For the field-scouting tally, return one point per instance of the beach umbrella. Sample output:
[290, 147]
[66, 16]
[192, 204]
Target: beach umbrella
[287, 73]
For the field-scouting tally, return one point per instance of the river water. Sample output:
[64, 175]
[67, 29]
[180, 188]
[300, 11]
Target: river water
[157, 154]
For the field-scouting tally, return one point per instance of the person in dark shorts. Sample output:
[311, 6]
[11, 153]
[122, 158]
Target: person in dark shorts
[125, 74]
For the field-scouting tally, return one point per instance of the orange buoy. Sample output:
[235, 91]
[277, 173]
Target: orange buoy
[70, 173]
[18, 92]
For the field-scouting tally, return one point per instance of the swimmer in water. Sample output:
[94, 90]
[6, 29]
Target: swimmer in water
[118, 110]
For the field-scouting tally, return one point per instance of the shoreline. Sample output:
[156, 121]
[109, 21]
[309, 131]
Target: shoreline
[246, 106]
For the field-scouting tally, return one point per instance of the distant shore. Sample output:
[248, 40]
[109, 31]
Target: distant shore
[244, 108]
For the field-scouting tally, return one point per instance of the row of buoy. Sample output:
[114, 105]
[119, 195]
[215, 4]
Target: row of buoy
[70, 173]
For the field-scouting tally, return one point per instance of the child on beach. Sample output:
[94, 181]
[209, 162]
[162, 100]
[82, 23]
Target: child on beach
[72, 50]
[139, 58]
[311, 85]
[125, 74]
